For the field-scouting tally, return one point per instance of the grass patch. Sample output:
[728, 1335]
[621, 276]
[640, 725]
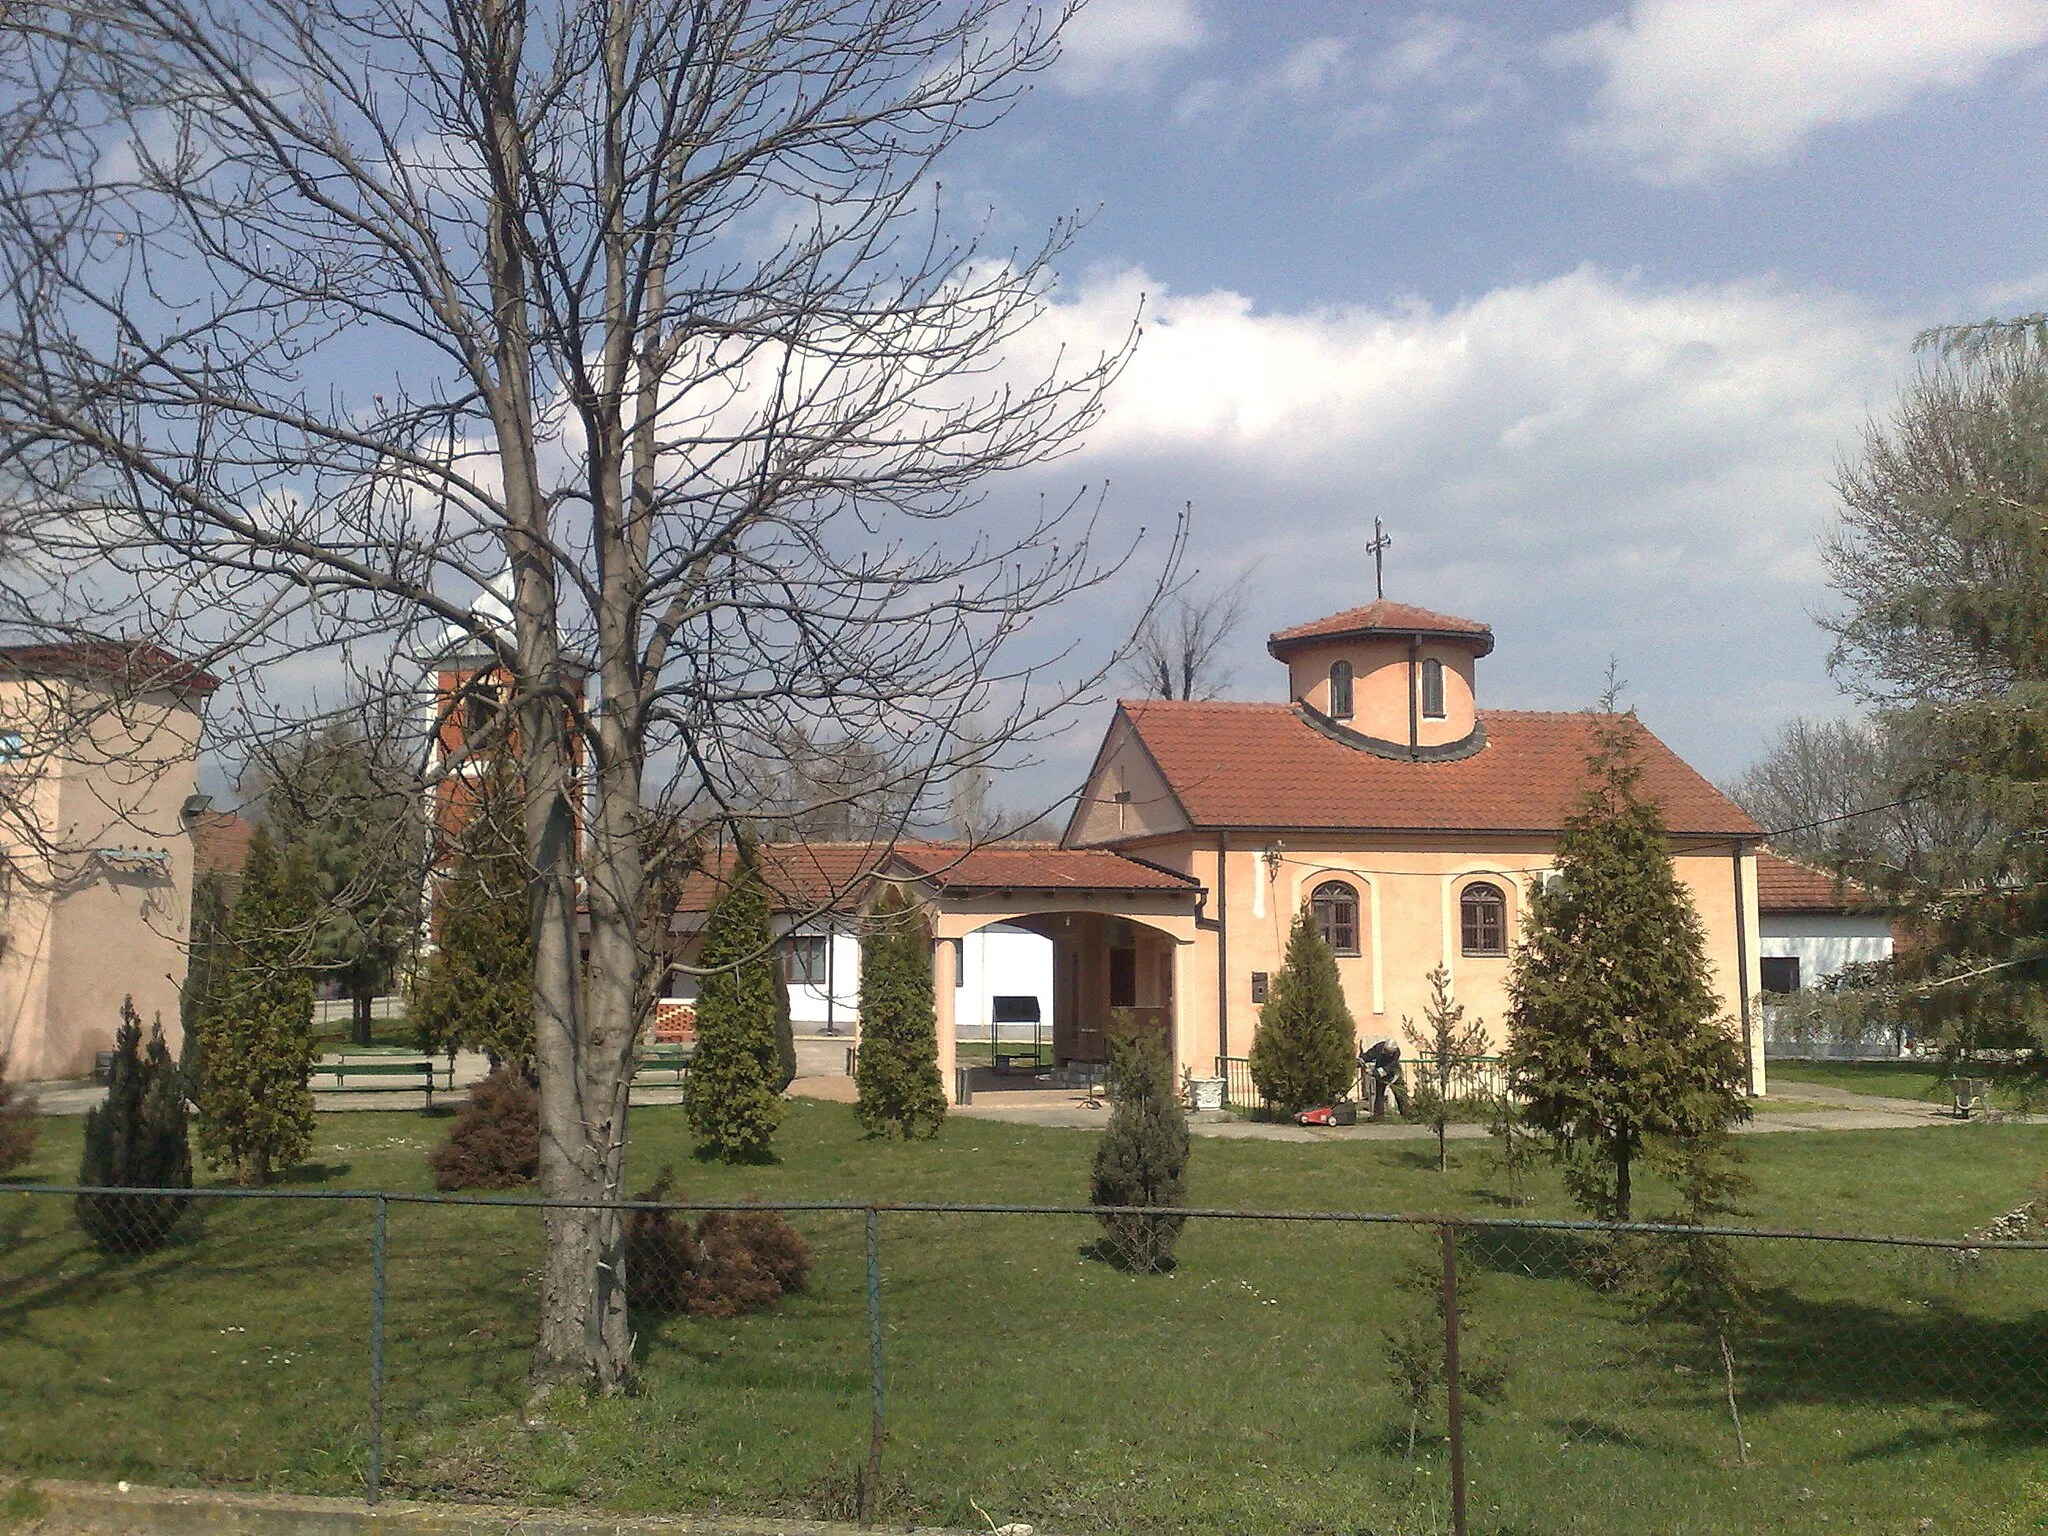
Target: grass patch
[1923, 1082]
[1249, 1390]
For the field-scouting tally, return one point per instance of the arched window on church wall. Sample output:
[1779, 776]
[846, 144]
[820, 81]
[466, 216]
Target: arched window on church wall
[1335, 905]
[1340, 690]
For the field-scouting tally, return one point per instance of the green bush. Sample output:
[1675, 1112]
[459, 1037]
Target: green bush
[896, 1075]
[136, 1139]
[1142, 1158]
[1306, 1047]
[733, 1091]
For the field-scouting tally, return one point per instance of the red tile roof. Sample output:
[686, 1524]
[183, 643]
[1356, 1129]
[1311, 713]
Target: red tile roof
[1785, 885]
[220, 843]
[1263, 765]
[817, 876]
[801, 877]
[1034, 866]
[137, 664]
[1382, 617]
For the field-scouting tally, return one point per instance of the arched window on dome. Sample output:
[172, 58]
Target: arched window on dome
[1483, 917]
[1340, 690]
[1432, 689]
[1335, 905]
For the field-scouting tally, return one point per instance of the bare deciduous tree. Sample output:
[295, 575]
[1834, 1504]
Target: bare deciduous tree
[321, 314]
[1177, 652]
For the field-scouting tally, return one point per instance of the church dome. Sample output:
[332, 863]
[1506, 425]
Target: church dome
[1389, 678]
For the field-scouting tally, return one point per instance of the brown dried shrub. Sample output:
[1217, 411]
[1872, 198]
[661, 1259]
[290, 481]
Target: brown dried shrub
[495, 1141]
[736, 1261]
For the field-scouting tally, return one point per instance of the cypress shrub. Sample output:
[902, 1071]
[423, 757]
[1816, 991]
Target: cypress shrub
[256, 1036]
[495, 1140]
[1305, 1050]
[475, 991]
[896, 1074]
[1142, 1158]
[136, 1140]
[19, 1123]
[733, 1093]
[1616, 1040]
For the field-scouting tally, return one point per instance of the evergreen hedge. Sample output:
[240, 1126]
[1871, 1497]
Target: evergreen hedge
[136, 1139]
[896, 1074]
[19, 1123]
[1142, 1158]
[1306, 1050]
[733, 1093]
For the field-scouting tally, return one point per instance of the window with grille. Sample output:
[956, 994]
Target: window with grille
[804, 959]
[1483, 913]
[1336, 910]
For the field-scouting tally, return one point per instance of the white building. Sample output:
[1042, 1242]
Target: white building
[1810, 925]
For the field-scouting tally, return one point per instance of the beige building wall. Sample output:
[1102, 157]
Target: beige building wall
[1409, 891]
[96, 901]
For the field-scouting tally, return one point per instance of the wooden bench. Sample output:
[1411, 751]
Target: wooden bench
[388, 1075]
[673, 1059]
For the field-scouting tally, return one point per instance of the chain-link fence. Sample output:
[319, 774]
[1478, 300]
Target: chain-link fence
[1082, 1369]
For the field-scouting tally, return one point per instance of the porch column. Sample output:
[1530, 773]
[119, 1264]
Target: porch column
[945, 978]
[1186, 1047]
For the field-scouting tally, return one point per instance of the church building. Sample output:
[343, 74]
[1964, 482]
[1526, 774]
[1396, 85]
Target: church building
[1413, 821]
[1376, 791]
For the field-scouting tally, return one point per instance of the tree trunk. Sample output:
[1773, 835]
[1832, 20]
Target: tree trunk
[1623, 1202]
[359, 1030]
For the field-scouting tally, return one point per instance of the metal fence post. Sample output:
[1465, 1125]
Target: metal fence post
[1454, 1406]
[870, 1482]
[374, 1479]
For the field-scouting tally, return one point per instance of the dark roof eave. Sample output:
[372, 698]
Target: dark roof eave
[1480, 642]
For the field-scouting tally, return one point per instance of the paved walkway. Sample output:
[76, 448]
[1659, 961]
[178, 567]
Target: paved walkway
[1802, 1107]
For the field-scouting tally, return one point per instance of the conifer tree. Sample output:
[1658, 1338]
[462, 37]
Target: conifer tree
[333, 801]
[1142, 1158]
[136, 1139]
[19, 1123]
[896, 1074]
[204, 946]
[476, 989]
[256, 1037]
[1615, 1035]
[734, 1103]
[1444, 1040]
[1305, 1050]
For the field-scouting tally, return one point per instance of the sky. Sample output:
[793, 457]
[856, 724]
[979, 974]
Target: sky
[1586, 301]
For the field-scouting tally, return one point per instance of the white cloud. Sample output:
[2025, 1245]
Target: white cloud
[1310, 67]
[1120, 44]
[1690, 89]
[1595, 465]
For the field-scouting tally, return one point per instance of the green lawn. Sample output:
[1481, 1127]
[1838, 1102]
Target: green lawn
[1926, 1082]
[1247, 1391]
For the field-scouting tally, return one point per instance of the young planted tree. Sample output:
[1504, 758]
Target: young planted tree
[1415, 1336]
[340, 804]
[1142, 1158]
[475, 989]
[256, 1037]
[206, 945]
[1445, 1044]
[732, 1091]
[1304, 1051]
[1697, 1280]
[136, 1139]
[652, 316]
[1615, 1035]
[896, 1074]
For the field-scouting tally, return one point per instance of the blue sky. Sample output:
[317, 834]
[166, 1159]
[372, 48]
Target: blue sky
[1586, 300]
